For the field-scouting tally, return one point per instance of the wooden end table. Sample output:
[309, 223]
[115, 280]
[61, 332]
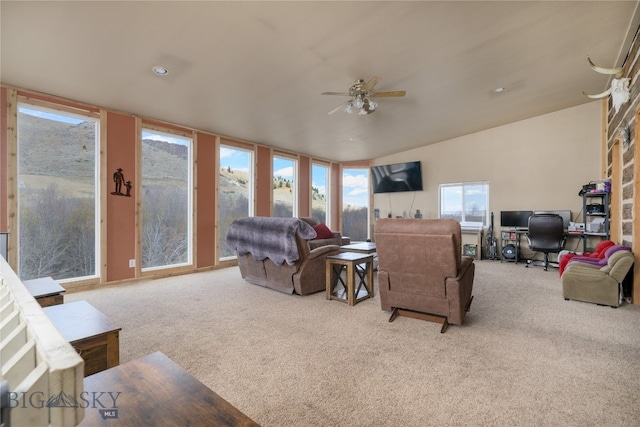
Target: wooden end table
[353, 262]
[91, 333]
[45, 290]
[155, 391]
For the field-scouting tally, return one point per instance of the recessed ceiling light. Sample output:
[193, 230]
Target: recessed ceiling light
[500, 89]
[160, 70]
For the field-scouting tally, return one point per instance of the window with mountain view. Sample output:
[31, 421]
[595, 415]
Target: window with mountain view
[355, 204]
[319, 192]
[57, 194]
[235, 182]
[166, 198]
[284, 188]
[465, 202]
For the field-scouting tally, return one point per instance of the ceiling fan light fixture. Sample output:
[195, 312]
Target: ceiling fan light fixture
[348, 109]
[361, 95]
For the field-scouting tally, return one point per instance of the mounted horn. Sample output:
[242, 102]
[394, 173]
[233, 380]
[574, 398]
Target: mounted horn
[619, 89]
[600, 95]
[610, 71]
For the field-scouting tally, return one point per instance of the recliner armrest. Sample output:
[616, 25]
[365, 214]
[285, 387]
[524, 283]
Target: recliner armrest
[465, 263]
[322, 250]
[583, 268]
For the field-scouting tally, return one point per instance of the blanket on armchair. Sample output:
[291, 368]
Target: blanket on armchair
[267, 237]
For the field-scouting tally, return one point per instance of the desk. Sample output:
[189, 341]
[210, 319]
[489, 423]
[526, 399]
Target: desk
[91, 333]
[45, 290]
[155, 391]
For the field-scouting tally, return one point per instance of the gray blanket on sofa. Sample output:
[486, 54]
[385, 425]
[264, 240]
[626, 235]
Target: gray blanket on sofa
[267, 237]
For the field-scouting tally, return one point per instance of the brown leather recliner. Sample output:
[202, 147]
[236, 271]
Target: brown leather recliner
[421, 270]
[274, 252]
[337, 238]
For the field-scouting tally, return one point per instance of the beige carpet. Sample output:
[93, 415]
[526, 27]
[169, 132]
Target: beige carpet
[525, 357]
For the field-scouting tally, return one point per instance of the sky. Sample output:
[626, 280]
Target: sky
[355, 187]
[452, 197]
[50, 115]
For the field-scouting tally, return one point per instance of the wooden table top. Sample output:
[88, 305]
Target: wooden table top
[366, 247]
[42, 287]
[350, 256]
[79, 320]
[155, 391]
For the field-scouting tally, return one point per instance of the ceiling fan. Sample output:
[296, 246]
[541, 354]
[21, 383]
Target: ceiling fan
[362, 95]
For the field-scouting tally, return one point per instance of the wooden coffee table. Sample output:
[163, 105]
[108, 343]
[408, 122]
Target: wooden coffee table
[91, 333]
[45, 290]
[155, 391]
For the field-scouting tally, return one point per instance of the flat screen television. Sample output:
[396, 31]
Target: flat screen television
[397, 177]
[566, 216]
[515, 219]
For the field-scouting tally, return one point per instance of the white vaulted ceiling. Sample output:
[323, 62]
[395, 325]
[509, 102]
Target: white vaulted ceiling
[256, 70]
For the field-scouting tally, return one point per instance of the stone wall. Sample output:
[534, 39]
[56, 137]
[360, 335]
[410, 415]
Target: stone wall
[622, 156]
[625, 119]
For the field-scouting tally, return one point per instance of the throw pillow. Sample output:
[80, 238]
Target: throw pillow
[322, 232]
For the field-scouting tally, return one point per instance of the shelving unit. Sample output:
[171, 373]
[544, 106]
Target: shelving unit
[589, 199]
[510, 245]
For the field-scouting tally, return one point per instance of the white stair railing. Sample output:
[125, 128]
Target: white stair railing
[40, 368]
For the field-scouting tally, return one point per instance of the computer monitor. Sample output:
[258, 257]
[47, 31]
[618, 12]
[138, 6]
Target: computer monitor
[565, 214]
[515, 219]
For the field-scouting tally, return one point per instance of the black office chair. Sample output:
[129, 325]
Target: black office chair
[546, 234]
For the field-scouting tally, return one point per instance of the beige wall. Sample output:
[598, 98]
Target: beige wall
[535, 164]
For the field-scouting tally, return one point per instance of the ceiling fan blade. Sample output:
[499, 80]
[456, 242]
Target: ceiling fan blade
[371, 83]
[335, 93]
[389, 94]
[338, 108]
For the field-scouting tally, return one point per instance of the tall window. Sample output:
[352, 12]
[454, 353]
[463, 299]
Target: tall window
[355, 204]
[166, 199]
[320, 192]
[235, 182]
[284, 188]
[57, 194]
[467, 203]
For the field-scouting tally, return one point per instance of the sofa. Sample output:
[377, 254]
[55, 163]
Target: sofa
[598, 281]
[275, 253]
[421, 268]
[324, 235]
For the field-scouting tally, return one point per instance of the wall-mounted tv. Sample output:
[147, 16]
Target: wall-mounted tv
[397, 177]
[515, 219]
